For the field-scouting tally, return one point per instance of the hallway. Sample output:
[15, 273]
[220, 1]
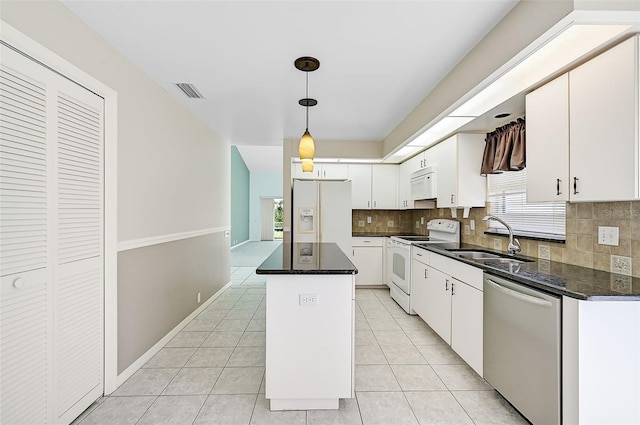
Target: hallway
[212, 372]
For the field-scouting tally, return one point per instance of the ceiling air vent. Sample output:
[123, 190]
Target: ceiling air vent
[190, 90]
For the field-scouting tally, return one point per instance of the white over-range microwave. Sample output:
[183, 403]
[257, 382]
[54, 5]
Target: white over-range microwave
[423, 183]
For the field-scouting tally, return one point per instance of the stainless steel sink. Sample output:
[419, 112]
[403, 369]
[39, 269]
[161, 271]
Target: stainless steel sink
[480, 255]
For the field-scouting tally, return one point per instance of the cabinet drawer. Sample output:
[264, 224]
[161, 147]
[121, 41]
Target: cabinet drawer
[367, 241]
[457, 269]
[420, 254]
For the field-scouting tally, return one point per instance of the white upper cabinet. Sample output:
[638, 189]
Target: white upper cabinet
[548, 142]
[603, 124]
[458, 179]
[324, 171]
[373, 186]
[360, 176]
[404, 175]
[384, 183]
[582, 131]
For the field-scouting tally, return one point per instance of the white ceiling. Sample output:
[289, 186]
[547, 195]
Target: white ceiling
[378, 59]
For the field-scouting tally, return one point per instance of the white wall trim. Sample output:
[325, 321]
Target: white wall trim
[40, 53]
[154, 240]
[135, 366]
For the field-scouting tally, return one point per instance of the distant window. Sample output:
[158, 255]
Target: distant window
[507, 198]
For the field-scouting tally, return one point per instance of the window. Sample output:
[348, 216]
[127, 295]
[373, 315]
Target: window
[507, 198]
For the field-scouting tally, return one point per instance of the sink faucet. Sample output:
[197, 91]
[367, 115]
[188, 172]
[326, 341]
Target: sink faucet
[514, 244]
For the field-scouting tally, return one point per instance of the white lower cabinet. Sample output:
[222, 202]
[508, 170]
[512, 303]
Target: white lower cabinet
[368, 257]
[447, 295]
[466, 323]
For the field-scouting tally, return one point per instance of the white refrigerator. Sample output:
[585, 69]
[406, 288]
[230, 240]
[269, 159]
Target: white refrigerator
[322, 212]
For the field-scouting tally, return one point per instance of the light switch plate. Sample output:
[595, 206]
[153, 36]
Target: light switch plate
[369, 219]
[472, 224]
[608, 235]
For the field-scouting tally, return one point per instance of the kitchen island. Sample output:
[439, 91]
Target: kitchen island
[310, 297]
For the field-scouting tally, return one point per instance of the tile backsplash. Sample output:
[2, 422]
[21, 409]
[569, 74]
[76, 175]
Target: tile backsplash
[581, 247]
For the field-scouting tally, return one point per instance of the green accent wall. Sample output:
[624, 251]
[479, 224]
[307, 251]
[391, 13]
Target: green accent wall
[240, 184]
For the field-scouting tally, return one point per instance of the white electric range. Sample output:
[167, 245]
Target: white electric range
[440, 231]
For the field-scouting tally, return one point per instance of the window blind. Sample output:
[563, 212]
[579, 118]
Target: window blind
[507, 198]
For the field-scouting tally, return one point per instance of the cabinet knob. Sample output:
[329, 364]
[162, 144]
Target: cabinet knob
[18, 283]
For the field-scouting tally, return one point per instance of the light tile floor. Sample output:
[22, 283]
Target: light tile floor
[212, 372]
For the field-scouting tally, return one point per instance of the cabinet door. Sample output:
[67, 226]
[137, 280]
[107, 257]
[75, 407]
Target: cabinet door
[603, 121]
[384, 183]
[296, 172]
[438, 303]
[360, 176]
[404, 182]
[471, 187]
[419, 289]
[446, 156]
[466, 323]
[368, 261]
[548, 142]
[328, 171]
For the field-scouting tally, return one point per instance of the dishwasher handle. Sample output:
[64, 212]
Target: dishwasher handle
[515, 294]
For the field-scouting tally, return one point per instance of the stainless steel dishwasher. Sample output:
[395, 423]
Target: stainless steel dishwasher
[522, 347]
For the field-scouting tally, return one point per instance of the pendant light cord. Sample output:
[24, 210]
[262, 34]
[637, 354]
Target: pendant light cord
[307, 97]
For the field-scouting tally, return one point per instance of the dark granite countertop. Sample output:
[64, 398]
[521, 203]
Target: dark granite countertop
[307, 258]
[557, 278]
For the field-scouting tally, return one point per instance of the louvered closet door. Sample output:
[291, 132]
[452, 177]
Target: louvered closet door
[78, 285]
[26, 289]
[51, 259]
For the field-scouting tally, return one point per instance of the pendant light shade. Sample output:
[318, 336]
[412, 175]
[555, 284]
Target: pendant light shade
[306, 147]
[307, 165]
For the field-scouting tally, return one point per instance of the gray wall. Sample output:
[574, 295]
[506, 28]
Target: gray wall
[173, 177]
[159, 286]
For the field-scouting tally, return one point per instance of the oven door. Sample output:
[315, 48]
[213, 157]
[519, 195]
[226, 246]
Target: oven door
[400, 266]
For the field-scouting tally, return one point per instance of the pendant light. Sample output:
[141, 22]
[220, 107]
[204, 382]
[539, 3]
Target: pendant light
[306, 148]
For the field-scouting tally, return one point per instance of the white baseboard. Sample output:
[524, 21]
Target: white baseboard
[128, 372]
[240, 244]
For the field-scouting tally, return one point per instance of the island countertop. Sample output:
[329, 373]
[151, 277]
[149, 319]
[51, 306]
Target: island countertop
[307, 258]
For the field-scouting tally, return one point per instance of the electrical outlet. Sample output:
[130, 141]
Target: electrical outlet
[417, 224]
[390, 223]
[467, 229]
[421, 220]
[544, 252]
[472, 224]
[198, 298]
[621, 265]
[497, 244]
[360, 223]
[308, 299]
